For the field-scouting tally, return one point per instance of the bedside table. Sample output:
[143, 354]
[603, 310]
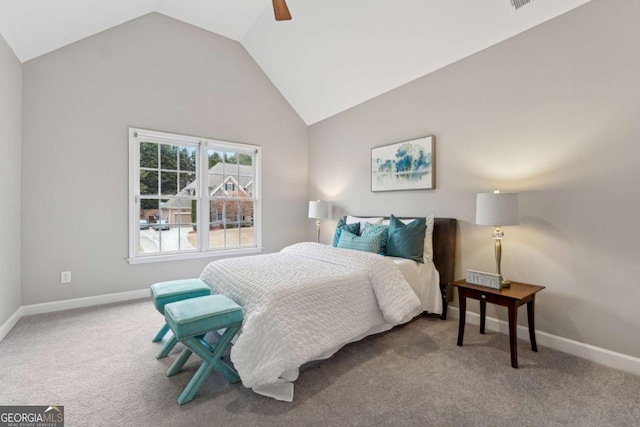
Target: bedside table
[512, 298]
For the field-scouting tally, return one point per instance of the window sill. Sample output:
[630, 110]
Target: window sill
[194, 255]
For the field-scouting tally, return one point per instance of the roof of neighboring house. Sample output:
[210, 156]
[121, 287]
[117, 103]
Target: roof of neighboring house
[219, 175]
[178, 203]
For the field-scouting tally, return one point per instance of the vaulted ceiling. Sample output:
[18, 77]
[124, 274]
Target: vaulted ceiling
[333, 54]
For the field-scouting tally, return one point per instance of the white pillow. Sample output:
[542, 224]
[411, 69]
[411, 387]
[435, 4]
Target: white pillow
[428, 236]
[363, 221]
[428, 240]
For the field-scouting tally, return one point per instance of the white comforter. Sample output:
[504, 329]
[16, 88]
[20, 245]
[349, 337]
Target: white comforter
[304, 301]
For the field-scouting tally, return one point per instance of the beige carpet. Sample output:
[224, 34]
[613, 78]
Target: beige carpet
[99, 363]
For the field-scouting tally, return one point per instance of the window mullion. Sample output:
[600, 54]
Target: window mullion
[159, 189]
[134, 189]
[224, 223]
[254, 196]
[203, 189]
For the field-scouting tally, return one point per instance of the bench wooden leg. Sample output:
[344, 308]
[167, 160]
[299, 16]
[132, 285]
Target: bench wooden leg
[211, 359]
[167, 347]
[177, 364]
[190, 390]
[161, 333]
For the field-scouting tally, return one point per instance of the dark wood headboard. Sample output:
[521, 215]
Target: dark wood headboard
[444, 253]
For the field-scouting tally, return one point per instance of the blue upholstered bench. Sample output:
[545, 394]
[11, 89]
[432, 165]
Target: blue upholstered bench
[190, 320]
[164, 293]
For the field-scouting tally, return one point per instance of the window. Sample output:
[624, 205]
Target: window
[192, 197]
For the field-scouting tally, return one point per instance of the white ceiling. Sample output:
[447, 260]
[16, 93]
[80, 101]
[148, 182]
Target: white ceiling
[333, 55]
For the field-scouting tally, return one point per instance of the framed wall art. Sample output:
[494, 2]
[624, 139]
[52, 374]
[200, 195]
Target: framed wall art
[407, 165]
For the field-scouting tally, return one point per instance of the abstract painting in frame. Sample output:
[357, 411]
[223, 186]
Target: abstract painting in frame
[407, 165]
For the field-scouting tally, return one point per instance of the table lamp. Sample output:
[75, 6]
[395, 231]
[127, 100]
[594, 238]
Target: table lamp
[497, 209]
[318, 210]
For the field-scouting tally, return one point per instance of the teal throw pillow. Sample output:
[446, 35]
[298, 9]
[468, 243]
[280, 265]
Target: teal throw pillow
[342, 225]
[378, 230]
[407, 240]
[360, 243]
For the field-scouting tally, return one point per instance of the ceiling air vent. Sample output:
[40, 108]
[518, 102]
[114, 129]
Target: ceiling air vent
[519, 3]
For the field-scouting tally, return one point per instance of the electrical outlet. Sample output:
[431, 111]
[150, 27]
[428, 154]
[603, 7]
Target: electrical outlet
[65, 277]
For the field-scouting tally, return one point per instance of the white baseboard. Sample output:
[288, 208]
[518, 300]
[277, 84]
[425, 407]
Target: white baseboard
[6, 327]
[48, 307]
[595, 354]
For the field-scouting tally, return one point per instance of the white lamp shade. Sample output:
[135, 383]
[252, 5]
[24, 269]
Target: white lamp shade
[497, 209]
[318, 209]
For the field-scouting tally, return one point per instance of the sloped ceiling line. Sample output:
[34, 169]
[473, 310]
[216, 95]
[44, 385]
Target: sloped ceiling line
[333, 55]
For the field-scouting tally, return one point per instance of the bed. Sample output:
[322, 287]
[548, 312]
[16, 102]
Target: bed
[307, 301]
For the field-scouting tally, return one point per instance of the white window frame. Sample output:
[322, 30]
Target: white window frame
[203, 145]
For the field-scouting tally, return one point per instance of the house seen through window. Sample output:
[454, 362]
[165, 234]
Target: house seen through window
[192, 197]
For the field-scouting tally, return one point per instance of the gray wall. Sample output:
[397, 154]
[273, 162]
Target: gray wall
[10, 149]
[154, 73]
[554, 114]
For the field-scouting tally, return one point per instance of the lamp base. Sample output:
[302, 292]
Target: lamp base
[317, 230]
[506, 283]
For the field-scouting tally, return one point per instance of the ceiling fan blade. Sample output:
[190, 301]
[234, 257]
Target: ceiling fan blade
[281, 10]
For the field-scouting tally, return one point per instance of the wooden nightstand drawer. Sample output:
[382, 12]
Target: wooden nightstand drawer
[484, 296]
